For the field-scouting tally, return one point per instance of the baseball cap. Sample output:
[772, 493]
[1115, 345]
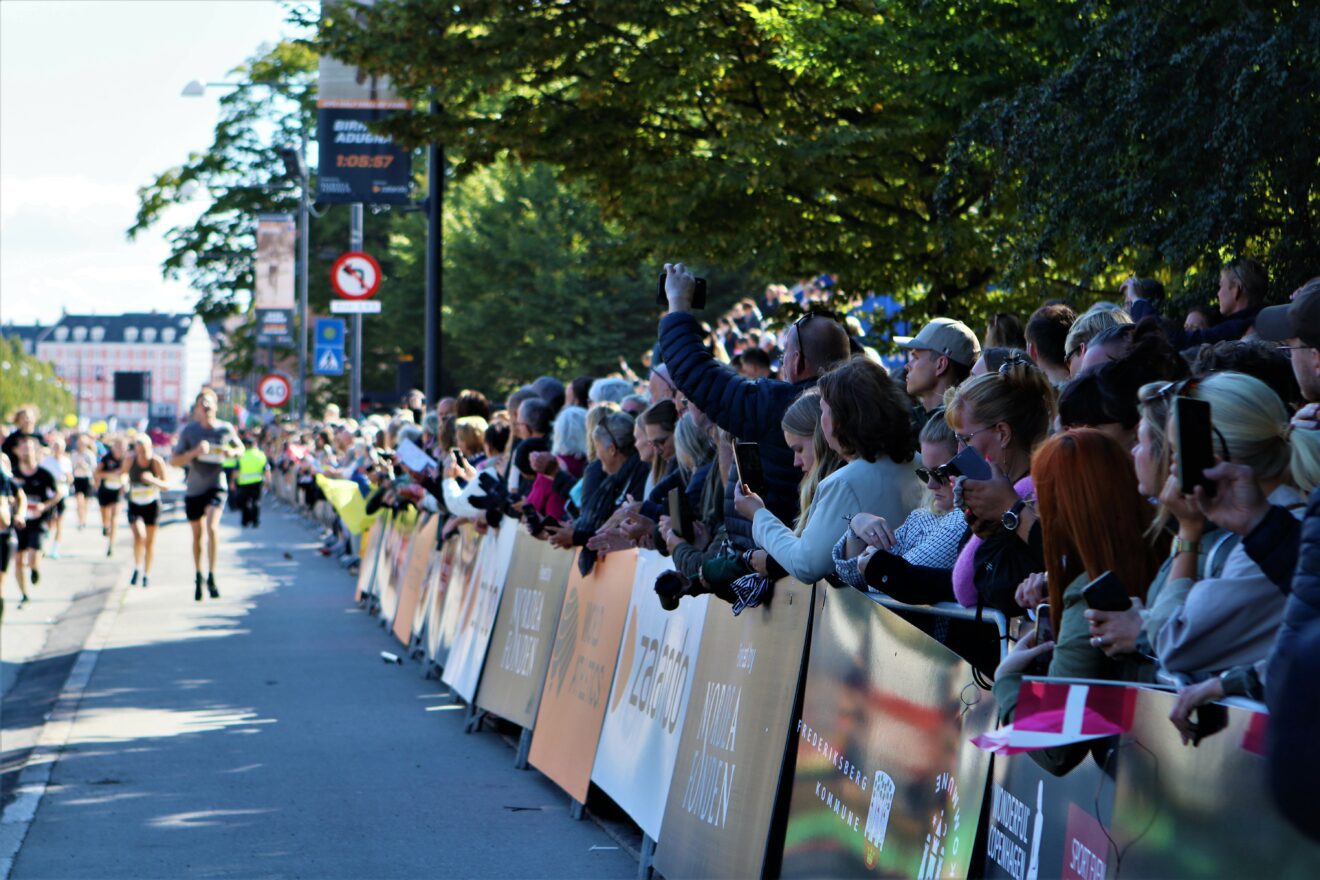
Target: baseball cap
[1299, 318]
[953, 339]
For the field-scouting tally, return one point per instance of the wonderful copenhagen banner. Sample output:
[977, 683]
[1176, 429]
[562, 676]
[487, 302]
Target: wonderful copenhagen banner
[726, 783]
[524, 630]
[887, 781]
[581, 671]
[652, 685]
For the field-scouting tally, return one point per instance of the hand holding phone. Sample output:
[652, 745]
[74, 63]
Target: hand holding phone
[1193, 448]
[1106, 593]
[698, 293]
[680, 515]
[969, 463]
[747, 461]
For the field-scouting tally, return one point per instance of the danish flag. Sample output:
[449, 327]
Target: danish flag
[1052, 714]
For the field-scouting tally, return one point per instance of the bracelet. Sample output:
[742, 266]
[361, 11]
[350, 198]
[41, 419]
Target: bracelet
[1183, 546]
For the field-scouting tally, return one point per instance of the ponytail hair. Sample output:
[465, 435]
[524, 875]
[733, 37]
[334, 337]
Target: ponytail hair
[1019, 395]
[1253, 424]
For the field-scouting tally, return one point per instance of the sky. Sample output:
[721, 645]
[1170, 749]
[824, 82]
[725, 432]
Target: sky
[90, 110]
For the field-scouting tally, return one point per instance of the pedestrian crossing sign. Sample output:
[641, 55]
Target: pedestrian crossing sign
[329, 362]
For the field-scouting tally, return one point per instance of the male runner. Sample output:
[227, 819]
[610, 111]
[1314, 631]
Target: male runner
[202, 447]
[11, 502]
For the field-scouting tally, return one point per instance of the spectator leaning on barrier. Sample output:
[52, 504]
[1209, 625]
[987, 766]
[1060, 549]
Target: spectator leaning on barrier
[864, 418]
[1046, 334]
[940, 357]
[751, 411]
[1083, 478]
[913, 562]
[1003, 416]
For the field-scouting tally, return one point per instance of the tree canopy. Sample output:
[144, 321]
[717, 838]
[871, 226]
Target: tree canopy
[25, 380]
[948, 150]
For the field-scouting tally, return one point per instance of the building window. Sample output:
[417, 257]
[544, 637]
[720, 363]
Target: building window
[98, 333]
[79, 334]
[148, 334]
[130, 334]
[61, 334]
[167, 335]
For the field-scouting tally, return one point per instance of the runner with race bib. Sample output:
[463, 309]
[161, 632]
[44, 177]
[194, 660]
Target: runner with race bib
[84, 465]
[203, 446]
[146, 478]
[42, 494]
[109, 488]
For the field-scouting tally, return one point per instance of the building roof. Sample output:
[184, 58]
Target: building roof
[30, 334]
[127, 327]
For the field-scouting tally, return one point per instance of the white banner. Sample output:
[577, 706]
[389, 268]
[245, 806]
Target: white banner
[477, 619]
[276, 236]
[652, 683]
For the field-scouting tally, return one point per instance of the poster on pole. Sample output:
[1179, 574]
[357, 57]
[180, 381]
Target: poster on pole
[356, 164]
[647, 705]
[273, 286]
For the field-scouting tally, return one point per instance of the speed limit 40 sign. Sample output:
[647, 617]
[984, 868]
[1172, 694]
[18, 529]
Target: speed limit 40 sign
[274, 390]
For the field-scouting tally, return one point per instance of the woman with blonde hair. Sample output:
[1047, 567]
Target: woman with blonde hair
[145, 474]
[1089, 324]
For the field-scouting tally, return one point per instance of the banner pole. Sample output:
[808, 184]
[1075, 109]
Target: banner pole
[355, 384]
[305, 266]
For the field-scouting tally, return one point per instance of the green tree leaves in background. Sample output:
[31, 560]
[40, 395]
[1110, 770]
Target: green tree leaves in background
[26, 380]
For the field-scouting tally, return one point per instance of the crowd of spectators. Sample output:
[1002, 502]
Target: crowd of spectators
[1005, 473]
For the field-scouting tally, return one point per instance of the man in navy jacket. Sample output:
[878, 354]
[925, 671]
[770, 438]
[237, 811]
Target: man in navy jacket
[750, 410]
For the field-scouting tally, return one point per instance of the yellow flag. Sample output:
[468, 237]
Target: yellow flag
[348, 502]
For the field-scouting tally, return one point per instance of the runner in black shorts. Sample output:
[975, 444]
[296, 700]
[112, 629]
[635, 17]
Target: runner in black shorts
[60, 465]
[146, 477]
[203, 446]
[41, 492]
[109, 487]
[84, 464]
[11, 501]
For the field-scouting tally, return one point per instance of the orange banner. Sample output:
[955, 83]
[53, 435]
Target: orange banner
[410, 590]
[582, 663]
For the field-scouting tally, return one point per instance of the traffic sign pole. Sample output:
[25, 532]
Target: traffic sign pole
[355, 381]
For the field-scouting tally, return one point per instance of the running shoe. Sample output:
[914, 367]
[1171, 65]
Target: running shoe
[144, 582]
[197, 587]
[132, 582]
[36, 577]
[210, 586]
[110, 551]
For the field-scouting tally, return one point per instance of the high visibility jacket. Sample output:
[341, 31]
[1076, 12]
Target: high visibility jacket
[251, 466]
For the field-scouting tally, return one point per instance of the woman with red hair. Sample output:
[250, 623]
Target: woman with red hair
[1093, 520]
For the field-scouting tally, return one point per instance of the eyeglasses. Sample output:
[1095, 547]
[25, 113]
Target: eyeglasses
[658, 442]
[938, 474]
[966, 439]
[1289, 349]
[1068, 356]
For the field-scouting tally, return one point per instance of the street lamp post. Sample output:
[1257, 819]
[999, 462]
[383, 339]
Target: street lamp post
[295, 165]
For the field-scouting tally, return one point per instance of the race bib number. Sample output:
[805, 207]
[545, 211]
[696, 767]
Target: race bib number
[143, 494]
[33, 509]
[212, 458]
[111, 483]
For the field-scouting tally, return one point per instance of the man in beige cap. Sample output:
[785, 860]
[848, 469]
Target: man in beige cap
[939, 358]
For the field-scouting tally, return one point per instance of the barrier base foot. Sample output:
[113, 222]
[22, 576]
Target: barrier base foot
[647, 860]
[524, 749]
[474, 718]
[577, 811]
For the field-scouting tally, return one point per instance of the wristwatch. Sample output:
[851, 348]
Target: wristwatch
[1181, 545]
[1012, 518]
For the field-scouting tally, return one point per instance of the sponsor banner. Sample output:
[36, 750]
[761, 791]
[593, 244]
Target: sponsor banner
[273, 284]
[356, 163]
[524, 630]
[739, 725]
[652, 683]
[581, 670]
[460, 593]
[410, 588]
[1193, 811]
[887, 781]
[369, 554]
[468, 654]
[394, 555]
[342, 85]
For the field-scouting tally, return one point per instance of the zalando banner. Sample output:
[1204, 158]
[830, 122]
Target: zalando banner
[577, 686]
[524, 630]
[887, 780]
[731, 756]
[652, 683]
[468, 655]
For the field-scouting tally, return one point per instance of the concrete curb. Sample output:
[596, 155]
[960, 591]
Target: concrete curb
[35, 776]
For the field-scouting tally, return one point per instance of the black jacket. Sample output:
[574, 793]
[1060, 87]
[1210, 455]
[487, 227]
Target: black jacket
[1235, 326]
[750, 410]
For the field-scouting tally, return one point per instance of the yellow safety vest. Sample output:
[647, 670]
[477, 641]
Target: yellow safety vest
[251, 466]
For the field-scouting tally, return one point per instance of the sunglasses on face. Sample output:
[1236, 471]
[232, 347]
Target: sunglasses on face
[938, 474]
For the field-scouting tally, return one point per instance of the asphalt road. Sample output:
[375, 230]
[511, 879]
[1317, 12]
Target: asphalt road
[258, 735]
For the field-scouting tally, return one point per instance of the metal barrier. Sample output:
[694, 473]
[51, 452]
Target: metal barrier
[952, 611]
